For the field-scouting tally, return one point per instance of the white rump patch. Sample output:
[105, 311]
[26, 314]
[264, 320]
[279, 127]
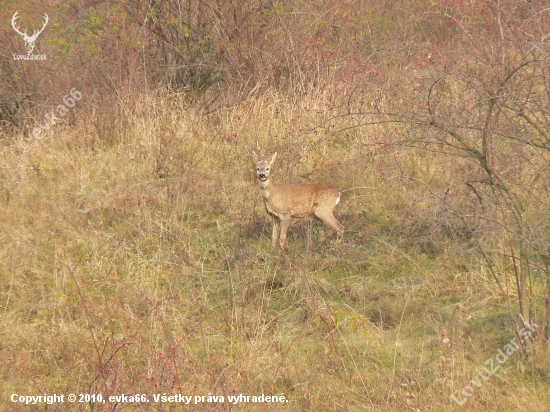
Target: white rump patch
[338, 200]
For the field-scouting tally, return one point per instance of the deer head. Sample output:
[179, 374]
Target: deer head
[263, 168]
[29, 41]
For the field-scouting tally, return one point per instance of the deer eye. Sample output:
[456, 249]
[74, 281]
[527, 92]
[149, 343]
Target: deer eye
[267, 168]
[257, 169]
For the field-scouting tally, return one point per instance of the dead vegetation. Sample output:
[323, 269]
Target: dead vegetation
[136, 252]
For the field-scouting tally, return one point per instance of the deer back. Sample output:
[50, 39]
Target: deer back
[299, 200]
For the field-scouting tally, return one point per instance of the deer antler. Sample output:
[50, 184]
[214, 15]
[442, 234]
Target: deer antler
[37, 32]
[13, 19]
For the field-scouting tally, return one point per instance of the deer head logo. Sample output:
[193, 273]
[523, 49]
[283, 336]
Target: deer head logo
[29, 40]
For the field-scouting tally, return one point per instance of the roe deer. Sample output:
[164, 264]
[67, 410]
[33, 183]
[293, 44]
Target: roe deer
[283, 202]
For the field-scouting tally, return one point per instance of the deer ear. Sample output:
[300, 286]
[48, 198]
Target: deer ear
[273, 158]
[255, 157]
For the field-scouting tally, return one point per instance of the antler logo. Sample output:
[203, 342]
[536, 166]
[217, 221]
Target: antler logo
[29, 40]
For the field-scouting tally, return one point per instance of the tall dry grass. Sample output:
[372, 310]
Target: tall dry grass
[136, 259]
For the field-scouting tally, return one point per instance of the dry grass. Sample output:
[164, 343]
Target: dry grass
[136, 258]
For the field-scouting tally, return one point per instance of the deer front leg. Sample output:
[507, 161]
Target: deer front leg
[284, 227]
[276, 230]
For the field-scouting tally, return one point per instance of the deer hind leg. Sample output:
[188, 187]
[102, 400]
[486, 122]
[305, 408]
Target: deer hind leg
[276, 231]
[330, 221]
[284, 227]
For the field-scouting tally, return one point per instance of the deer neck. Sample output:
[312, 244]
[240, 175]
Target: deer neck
[267, 187]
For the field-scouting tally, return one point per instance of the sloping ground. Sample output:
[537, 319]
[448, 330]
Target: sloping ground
[143, 265]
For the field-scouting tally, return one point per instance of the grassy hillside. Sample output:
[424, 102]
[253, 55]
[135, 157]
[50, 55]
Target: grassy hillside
[136, 259]
[135, 251]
